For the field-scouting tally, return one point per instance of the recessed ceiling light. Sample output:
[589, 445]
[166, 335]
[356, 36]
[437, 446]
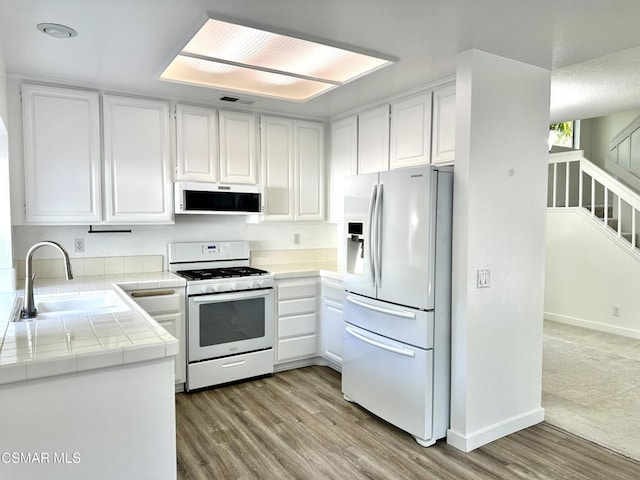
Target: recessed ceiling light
[56, 30]
[228, 55]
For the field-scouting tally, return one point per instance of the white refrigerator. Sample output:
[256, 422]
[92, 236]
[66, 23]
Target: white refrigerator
[397, 314]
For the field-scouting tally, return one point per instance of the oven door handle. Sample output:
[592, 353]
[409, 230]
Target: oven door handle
[225, 297]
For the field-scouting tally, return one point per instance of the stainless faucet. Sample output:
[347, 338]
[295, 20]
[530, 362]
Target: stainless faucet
[29, 308]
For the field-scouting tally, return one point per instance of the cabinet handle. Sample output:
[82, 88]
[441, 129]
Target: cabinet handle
[152, 293]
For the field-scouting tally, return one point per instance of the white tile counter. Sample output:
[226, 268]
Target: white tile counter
[65, 344]
[294, 270]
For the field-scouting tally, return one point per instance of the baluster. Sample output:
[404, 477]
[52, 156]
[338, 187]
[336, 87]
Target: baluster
[567, 171]
[555, 185]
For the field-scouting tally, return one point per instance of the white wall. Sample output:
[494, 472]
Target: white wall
[7, 275]
[587, 274]
[499, 224]
[598, 132]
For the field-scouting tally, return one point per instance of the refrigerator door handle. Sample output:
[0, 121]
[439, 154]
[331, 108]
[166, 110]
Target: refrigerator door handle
[378, 234]
[386, 311]
[400, 351]
[371, 234]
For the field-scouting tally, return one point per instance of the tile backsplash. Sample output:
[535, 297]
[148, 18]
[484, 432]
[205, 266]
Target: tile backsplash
[54, 268]
[287, 257]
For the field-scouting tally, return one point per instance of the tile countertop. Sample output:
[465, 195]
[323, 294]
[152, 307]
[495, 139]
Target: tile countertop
[294, 270]
[68, 344]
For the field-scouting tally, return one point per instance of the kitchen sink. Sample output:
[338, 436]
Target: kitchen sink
[94, 303]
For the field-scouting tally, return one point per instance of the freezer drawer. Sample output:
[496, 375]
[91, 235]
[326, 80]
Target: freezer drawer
[390, 379]
[404, 324]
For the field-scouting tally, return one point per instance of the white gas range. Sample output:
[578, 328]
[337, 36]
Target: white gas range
[229, 312]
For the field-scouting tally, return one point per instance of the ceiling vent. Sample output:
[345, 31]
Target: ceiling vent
[242, 101]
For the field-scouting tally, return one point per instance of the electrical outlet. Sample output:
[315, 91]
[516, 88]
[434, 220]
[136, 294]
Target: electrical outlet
[296, 239]
[484, 278]
[616, 311]
[78, 245]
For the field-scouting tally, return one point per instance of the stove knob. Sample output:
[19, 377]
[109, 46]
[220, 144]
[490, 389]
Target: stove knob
[213, 288]
[251, 284]
[260, 283]
[203, 289]
[232, 286]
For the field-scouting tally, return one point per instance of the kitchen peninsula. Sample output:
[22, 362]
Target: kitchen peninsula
[84, 395]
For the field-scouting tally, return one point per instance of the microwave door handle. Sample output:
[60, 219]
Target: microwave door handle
[225, 297]
[378, 233]
[370, 246]
[390, 348]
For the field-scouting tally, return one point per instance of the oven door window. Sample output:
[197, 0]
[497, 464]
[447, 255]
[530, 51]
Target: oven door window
[231, 321]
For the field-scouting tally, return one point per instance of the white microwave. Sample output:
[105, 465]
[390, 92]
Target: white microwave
[217, 198]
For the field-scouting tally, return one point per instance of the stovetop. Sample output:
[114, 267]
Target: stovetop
[224, 272]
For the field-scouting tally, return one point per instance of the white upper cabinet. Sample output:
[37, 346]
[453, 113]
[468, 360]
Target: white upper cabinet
[444, 125]
[309, 182]
[292, 158]
[410, 142]
[197, 143]
[238, 147]
[343, 162]
[138, 186]
[373, 140]
[277, 157]
[61, 129]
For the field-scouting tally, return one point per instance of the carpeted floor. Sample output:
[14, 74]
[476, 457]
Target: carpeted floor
[591, 385]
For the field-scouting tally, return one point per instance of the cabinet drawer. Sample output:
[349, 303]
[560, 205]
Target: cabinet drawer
[157, 301]
[229, 369]
[299, 347]
[297, 290]
[297, 307]
[297, 325]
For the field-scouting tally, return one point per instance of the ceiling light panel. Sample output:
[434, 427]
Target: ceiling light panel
[207, 73]
[273, 64]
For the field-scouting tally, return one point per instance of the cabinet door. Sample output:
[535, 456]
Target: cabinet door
[309, 181]
[197, 143]
[137, 162]
[172, 323]
[238, 147]
[331, 324]
[277, 156]
[444, 125]
[410, 142]
[373, 140]
[61, 129]
[343, 162]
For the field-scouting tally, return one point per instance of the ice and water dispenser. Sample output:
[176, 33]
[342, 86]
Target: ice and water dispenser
[355, 248]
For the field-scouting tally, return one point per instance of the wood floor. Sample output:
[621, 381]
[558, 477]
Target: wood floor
[296, 425]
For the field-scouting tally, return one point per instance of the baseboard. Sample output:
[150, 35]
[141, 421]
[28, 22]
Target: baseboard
[601, 327]
[466, 443]
[306, 362]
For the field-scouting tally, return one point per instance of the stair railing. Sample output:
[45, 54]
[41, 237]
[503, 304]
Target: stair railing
[575, 182]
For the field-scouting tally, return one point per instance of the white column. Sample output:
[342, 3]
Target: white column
[498, 225]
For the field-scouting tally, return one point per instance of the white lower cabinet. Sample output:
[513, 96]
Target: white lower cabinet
[166, 306]
[332, 295]
[297, 317]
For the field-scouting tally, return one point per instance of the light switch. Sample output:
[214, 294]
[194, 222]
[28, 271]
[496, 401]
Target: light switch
[484, 278]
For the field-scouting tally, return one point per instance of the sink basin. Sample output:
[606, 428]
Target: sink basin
[98, 302]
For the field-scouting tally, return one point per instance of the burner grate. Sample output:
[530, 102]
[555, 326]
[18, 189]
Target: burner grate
[226, 272]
